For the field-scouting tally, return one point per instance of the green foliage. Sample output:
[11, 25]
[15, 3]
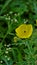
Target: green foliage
[12, 14]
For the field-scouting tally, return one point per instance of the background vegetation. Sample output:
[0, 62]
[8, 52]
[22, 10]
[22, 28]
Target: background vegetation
[12, 14]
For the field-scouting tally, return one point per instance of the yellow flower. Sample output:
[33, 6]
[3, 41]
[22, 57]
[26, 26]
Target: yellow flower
[15, 39]
[24, 31]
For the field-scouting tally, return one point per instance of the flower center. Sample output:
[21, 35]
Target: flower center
[24, 31]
